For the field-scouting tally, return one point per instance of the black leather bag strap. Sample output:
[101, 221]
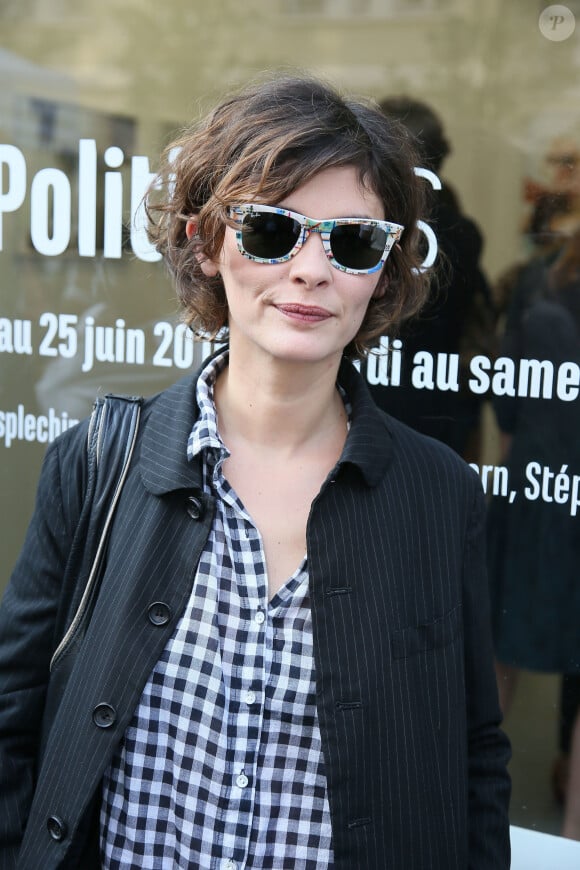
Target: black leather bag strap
[112, 435]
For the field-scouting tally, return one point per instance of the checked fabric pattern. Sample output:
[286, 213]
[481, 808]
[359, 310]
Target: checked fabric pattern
[221, 766]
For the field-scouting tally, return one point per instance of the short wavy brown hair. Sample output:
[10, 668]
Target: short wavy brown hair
[262, 144]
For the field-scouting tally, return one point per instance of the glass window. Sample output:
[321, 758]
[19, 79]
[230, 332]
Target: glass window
[92, 92]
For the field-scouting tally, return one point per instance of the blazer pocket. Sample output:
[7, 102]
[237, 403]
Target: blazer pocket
[427, 636]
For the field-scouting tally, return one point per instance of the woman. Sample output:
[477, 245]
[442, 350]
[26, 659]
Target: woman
[314, 685]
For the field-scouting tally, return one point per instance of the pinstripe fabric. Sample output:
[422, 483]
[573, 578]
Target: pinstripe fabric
[416, 765]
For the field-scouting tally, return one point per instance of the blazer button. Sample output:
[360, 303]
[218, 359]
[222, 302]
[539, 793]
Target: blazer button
[104, 715]
[159, 613]
[56, 828]
[194, 507]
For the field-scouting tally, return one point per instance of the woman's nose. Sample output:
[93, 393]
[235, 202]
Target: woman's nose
[311, 265]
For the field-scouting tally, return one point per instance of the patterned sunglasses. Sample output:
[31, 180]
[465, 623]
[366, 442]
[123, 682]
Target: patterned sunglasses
[268, 234]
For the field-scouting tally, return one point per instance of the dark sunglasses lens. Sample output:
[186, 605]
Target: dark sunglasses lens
[356, 246]
[269, 236]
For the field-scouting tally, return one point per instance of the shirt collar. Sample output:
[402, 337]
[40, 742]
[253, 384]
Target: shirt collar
[368, 442]
[205, 436]
[169, 420]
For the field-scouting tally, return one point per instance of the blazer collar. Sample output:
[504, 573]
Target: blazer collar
[369, 442]
[166, 427]
[170, 417]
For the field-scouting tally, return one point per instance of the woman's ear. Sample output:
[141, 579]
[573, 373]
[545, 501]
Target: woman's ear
[380, 289]
[208, 267]
[191, 228]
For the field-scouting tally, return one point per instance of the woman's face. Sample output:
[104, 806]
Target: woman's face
[305, 309]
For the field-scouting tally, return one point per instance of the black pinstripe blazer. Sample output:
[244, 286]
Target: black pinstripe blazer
[406, 696]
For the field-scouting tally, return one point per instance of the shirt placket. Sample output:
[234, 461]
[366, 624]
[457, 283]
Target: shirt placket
[244, 681]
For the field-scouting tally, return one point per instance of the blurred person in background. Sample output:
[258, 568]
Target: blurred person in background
[459, 315]
[534, 544]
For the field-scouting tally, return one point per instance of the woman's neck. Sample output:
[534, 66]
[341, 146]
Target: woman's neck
[280, 406]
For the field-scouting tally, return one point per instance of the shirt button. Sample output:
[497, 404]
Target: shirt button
[242, 780]
[230, 865]
[260, 617]
[250, 697]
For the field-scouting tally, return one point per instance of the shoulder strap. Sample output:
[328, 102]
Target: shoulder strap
[111, 440]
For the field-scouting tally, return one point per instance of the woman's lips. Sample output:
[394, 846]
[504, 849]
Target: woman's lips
[306, 313]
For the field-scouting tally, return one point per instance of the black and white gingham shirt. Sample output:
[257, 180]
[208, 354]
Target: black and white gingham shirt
[221, 766]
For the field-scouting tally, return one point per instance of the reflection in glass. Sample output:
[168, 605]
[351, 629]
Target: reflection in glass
[535, 542]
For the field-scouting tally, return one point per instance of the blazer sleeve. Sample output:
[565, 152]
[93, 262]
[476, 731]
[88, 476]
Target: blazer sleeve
[28, 620]
[488, 748]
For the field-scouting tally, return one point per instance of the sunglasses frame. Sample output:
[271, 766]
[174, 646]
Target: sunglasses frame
[310, 225]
